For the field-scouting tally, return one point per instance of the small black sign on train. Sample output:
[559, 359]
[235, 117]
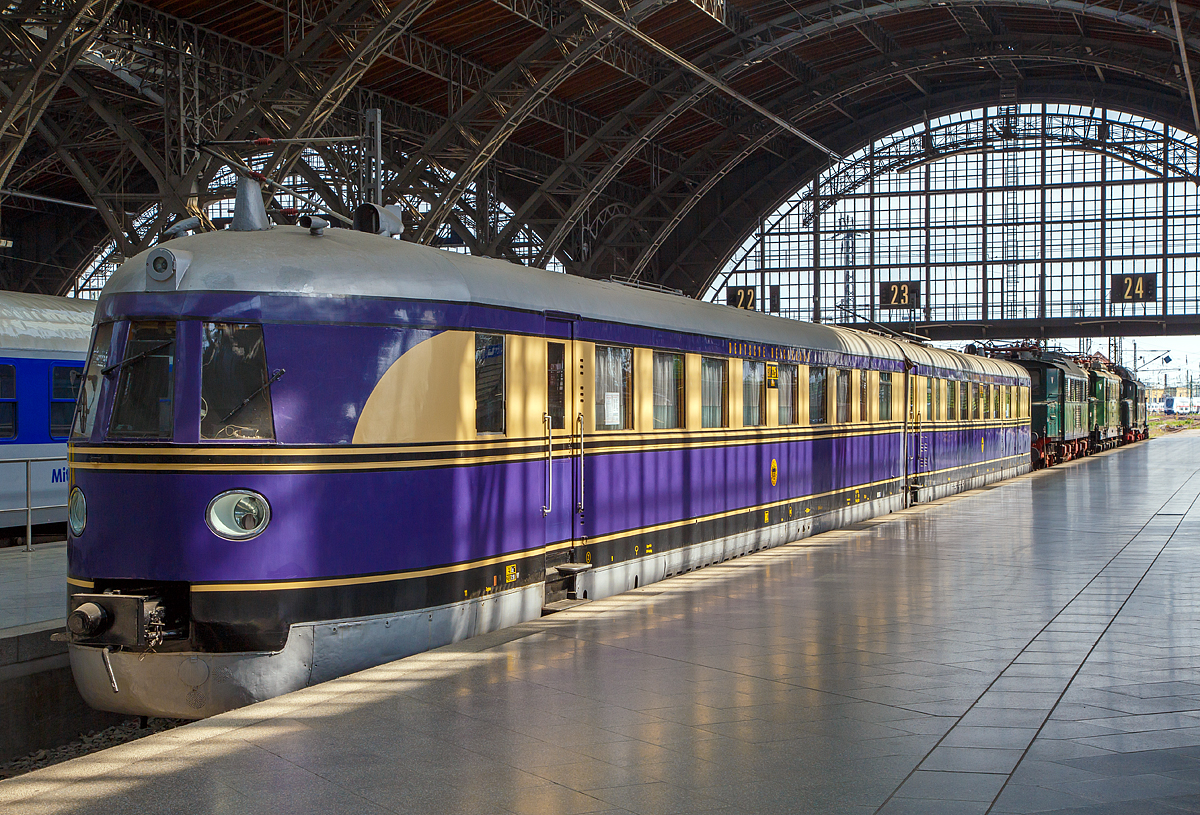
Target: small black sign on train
[1140, 287]
[900, 294]
[742, 297]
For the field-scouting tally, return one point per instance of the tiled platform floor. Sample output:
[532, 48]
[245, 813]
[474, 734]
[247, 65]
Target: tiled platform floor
[1027, 648]
[33, 585]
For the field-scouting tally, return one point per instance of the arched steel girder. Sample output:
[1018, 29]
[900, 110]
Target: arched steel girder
[618, 145]
[338, 85]
[858, 78]
[1143, 63]
[49, 63]
[298, 75]
[514, 92]
[771, 39]
[721, 222]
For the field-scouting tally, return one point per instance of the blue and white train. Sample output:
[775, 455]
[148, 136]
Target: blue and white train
[43, 342]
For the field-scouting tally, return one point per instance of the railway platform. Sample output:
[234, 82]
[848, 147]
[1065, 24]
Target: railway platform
[31, 585]
[1031, 647]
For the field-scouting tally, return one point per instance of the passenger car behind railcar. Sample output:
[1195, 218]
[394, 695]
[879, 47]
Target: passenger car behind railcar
[43, 341]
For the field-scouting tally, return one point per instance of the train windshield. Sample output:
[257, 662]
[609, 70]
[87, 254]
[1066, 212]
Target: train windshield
[89, 394]
[235, 390]
[145, 402]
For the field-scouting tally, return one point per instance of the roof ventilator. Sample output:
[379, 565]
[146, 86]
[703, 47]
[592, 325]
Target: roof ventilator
[314, 225]
[249, 213]
[389, 221]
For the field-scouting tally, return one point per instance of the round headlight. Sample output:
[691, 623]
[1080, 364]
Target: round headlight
[238, 514]
[77, 512]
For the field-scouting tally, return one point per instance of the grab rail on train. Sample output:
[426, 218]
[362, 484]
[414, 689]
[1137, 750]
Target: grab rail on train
[29, 507]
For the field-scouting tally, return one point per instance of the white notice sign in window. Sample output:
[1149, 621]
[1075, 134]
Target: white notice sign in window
[612, 409]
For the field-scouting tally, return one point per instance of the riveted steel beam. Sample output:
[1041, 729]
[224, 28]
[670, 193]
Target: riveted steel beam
[512, 94]
[49, 61]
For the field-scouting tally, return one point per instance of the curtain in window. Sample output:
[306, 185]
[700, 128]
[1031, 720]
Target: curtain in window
[754, 384]
[614, 388]
[817, 397]
[712, 392]
[843, 396]
[787, 394]
[668, 390]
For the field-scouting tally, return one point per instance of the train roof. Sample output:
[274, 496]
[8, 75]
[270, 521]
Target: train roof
[39, 322]
[343, 262]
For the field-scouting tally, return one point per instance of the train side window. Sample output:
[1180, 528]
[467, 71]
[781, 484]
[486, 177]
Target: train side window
[714, 392]
[843, 395]
[8, 402]
[818, 395]
[89, 394]
[985, 396]
[951, 400]
[489, 383]
[976, 412]
[964, 400]
[754, 393]
[614, 388]
[996, 398]
[928, 398]
[556, 384]
[1008, 402]
[789, 392]
[145, 401]
[863, 388]
[885, 396]
[64, 390]
[668, 391]
[1035, 380]
[235, 385]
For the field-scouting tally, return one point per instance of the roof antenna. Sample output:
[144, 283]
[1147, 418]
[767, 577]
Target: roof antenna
[249, 213]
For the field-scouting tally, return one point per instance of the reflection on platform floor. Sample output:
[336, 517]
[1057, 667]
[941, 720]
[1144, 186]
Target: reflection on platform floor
[33, 585]
[1031, 647]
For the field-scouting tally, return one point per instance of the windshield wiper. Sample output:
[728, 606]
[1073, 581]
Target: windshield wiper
[274, 378]
[137, 358]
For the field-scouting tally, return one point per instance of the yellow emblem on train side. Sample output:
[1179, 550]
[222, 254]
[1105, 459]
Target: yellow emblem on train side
[774, 472]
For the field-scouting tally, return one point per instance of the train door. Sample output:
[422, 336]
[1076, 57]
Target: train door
[913, 436]
[563, 422]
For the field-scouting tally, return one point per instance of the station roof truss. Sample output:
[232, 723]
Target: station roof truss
[639, 140]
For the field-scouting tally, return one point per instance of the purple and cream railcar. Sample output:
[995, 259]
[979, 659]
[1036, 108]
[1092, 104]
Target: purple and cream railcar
[299, 455]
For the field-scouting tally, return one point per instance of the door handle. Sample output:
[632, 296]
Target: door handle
[579, 428]
[549, 466]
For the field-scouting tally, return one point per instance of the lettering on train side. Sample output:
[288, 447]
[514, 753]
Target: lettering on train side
[58, 475]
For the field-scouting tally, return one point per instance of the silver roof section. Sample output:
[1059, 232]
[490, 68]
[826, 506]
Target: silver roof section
[344, 262]
[39, 322]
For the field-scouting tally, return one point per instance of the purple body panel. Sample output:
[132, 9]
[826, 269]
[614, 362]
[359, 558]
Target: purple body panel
[328, 522]
[150, 525]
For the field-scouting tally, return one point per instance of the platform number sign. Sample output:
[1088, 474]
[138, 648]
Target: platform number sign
[900, 294]
[741, 297]
[1134, 288]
